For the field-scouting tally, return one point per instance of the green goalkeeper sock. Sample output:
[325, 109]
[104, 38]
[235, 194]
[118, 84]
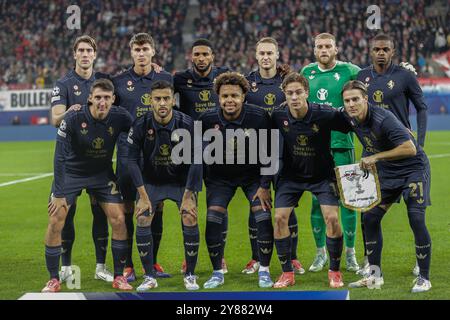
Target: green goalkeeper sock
[318, 224]
[348, 221]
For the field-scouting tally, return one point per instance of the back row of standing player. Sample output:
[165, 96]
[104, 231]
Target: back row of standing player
[389, 86]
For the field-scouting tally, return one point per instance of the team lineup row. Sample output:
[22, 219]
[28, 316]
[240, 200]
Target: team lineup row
[87, 136]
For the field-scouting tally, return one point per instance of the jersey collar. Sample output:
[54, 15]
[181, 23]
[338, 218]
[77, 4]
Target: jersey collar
[259, 79]
[79, 78]
[238, 121]
[209, 77]
[167, 127]
[135, 76]
[387, 73]
[325, 70]
[91, 119]
[306, 118]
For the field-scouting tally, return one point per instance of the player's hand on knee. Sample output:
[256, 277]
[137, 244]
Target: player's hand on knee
[142, 206]
[75, 107]
[189, 204]
[55, 205]
[264, 197]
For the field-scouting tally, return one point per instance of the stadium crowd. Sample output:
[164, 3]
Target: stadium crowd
[235, 26]
[35, 39]
[36, 44]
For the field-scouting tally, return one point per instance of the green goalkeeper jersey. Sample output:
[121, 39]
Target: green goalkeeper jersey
[325, 87]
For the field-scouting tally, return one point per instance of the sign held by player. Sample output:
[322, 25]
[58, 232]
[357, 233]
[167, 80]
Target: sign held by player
[358, 189]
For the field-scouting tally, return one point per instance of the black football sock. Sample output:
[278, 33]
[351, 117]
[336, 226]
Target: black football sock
[374, 236]
[144, 244]
[253, 234]
[100, 233]
[213, 235]
[191, 239]
[293, 229]
[119, 250]
[284, 253]
[68, 237]
[422, 239]
[130, 232]
[52, 255]
[265, 236]
[157, 229]
[334, 246]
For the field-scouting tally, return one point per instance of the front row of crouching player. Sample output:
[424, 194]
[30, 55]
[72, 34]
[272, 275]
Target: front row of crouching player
[83, 160]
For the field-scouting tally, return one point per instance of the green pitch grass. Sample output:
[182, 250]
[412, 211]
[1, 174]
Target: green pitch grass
[23, 222]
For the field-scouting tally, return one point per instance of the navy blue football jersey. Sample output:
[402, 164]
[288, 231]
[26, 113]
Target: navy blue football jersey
[265, 93]
[85, 146]
[393, 90]
[196, 93]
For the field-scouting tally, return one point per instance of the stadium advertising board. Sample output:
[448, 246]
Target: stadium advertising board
[25, 100]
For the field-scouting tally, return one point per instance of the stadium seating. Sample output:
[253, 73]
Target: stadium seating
[36, 49]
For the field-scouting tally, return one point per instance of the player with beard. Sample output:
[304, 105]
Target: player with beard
[194, 87]
[326, 78]
[391, 87]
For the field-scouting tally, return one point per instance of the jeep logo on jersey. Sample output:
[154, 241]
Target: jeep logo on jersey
[378, 96]
[322, 94]
[146, 99]
[204, 95]
[269, 99]
[98, 143]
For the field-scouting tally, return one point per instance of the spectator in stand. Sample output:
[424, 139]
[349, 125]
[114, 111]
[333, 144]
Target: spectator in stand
[31, 43]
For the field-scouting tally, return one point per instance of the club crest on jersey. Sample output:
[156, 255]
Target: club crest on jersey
[204, 95]
[315, 128]
[337, 76]
[76, 91]
[368, 141]
[391, 84]
[322, 94]
[302, 140]
[146, 99]
[270, 99]
[216, 126]
[254, 88]
[98, 143]
[189, 83]
[164, 150]
[130, 86]
[378, 96]
[111, 131]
